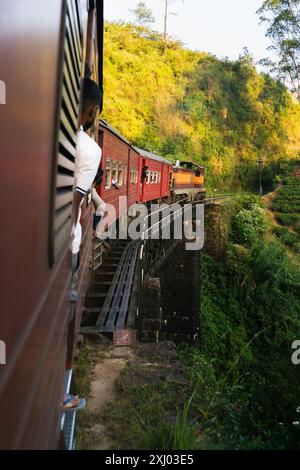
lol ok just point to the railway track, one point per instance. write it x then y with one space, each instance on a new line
108 304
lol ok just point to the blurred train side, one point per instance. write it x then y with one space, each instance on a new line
36 186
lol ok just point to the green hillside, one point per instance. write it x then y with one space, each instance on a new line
185 104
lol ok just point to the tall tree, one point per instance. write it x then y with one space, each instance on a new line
143 14
282 18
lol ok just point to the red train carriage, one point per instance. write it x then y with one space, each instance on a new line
42 58
158 179
120 165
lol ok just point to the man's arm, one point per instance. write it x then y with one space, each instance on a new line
76 205
88 164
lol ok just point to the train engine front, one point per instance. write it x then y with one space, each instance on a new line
188 180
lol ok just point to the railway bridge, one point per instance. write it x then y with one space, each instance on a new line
149 287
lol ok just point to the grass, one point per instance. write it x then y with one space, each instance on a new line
184 437
144 417
151 413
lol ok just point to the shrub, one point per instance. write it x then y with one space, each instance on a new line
277 179
244 382
248 224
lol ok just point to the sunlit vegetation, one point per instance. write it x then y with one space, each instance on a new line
190 105
246 389
286 206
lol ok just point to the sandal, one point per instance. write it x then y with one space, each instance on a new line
73 403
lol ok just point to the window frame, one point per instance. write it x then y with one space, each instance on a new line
114 170
120 169
148 177
108 180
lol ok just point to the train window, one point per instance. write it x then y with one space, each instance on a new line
159 177
68 102
107 174
125 174
152 177
114 175
120 174
156 177
134 175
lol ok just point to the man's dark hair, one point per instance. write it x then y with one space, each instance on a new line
92 94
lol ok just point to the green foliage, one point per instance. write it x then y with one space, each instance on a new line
148 416
247 390
246 387
184 434
288 198
282 19
277 179
143 14
190 105
247 201
287 205
287 219
288 238
248 223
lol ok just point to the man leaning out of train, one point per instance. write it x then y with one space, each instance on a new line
88 158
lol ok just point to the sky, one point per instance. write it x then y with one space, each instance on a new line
221 27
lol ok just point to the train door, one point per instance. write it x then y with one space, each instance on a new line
171 181
144 173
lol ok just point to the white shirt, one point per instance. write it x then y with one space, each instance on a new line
88 158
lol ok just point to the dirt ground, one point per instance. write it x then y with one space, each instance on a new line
145 364
106 374
267 201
